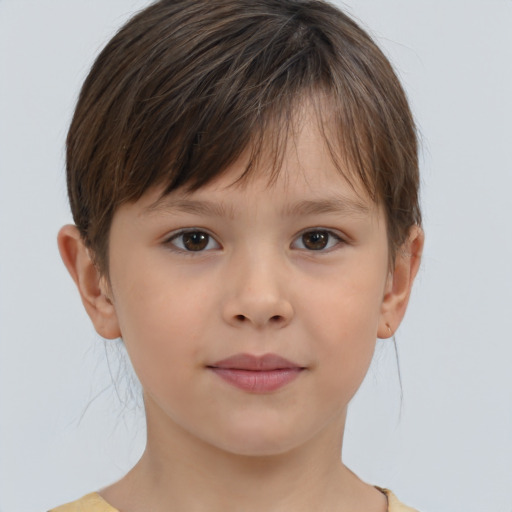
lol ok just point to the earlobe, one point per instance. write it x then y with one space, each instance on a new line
93 287
400 281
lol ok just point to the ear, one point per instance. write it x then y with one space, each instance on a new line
93 287
399 283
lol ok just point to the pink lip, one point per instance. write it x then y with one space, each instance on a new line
257 374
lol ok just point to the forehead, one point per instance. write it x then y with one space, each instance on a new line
306 178
283 141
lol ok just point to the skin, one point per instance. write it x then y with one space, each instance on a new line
256 287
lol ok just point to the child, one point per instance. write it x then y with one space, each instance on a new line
244 181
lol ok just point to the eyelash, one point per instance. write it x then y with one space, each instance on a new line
334 240
332 236
175 236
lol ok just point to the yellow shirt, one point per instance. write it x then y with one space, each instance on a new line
95 503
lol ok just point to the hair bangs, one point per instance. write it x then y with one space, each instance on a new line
188 87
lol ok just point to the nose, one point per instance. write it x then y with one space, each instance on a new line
257 294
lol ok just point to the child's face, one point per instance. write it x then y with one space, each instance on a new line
298 269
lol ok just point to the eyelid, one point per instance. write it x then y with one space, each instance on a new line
176 234
339 237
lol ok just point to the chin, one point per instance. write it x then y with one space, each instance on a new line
259 440
257 448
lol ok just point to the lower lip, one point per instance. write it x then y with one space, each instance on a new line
257 381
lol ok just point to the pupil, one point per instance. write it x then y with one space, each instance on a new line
316 240
195 241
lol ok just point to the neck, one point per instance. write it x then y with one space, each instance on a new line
179 472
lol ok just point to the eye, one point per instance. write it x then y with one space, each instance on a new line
193 241
317 240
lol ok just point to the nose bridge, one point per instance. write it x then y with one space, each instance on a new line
258 291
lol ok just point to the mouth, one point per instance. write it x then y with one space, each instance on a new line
257 374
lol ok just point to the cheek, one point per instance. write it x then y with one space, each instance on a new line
347 305
161 319
343 314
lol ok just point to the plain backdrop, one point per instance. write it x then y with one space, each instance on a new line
66 429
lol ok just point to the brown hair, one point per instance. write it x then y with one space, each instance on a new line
187 85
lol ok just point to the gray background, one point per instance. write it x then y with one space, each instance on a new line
64 430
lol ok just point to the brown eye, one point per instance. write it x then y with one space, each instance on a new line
193 241
315 240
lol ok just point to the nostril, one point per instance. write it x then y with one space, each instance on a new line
240 318
276 318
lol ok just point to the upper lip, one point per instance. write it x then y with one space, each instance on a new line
251 362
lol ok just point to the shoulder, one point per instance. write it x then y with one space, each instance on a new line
95 503
89 503
393 504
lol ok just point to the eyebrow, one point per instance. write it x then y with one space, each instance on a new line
334 205
338 205
204 207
